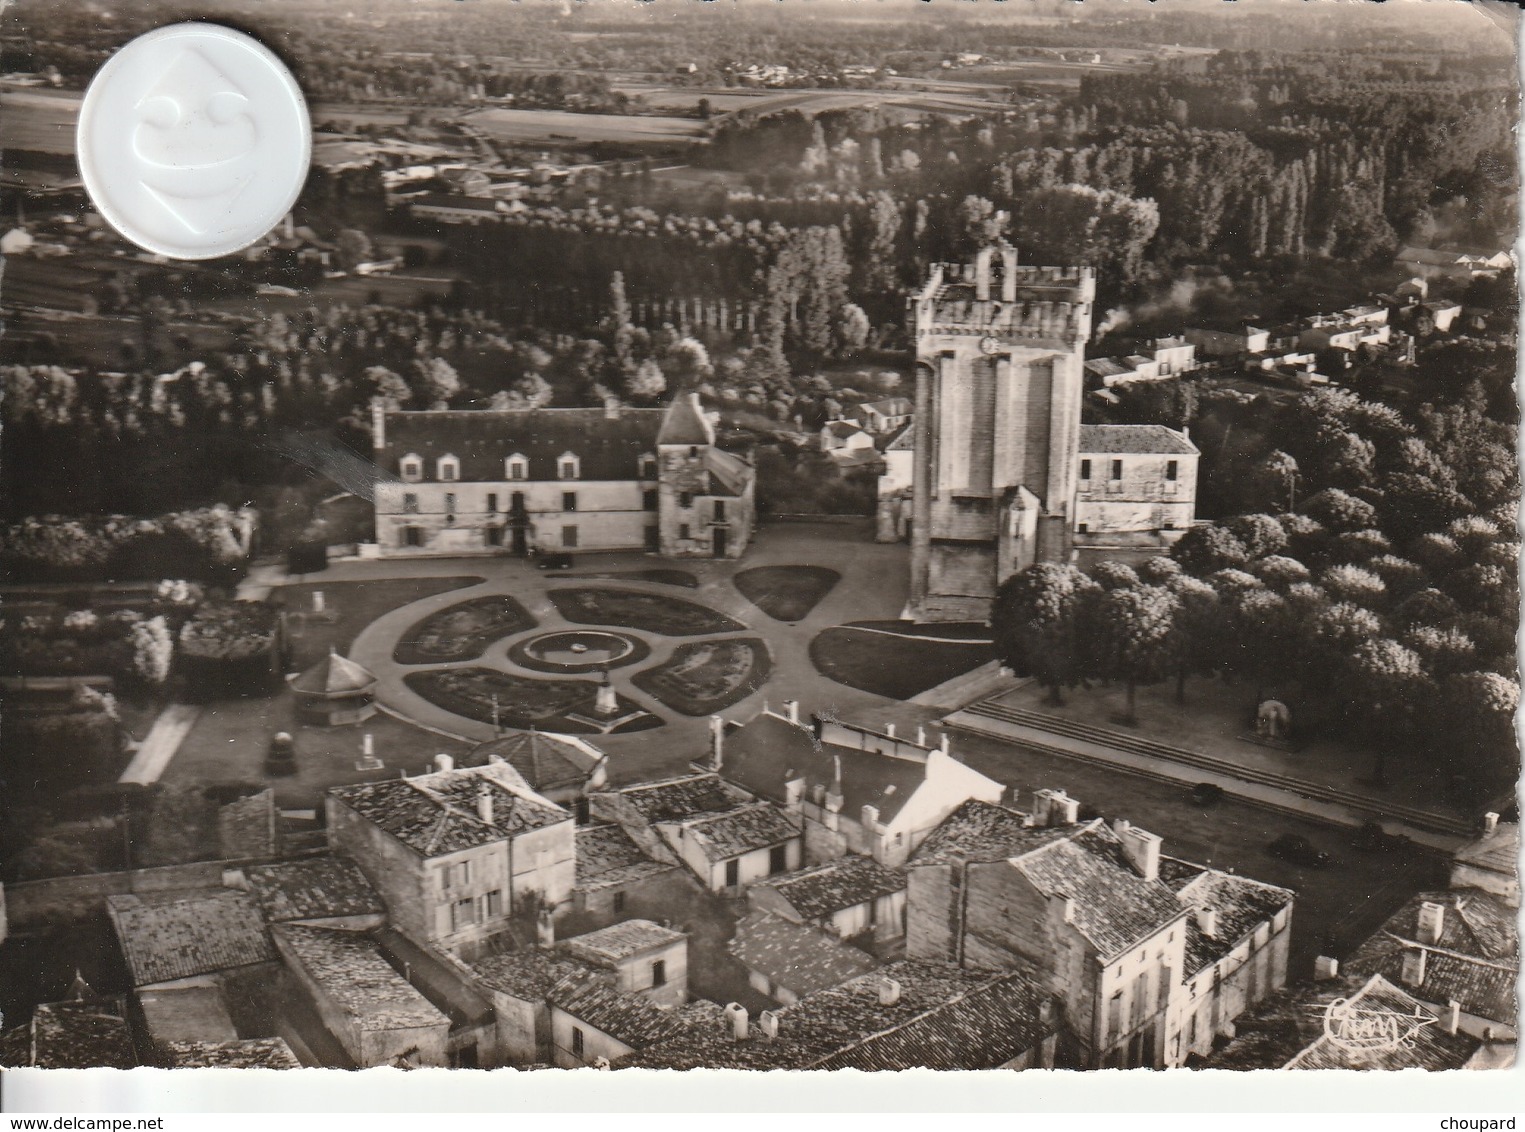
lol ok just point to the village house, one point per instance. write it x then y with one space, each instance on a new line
475 481
1135 945
885 416
893 513
519 983
1229 343
845 438
849 897
720 833
1491 862
247 1053
1346 330
645 958
85 1030
851 788
375 1013
905 1016
455 853
562 768
614 875
329 892
594 1024
457 208
1302 1028
788 961
1162 358
1458 950
1136 490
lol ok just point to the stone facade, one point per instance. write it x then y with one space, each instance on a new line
1137 488
999 380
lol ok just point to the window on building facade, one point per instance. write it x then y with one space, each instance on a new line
1081 528
495 902
569 537
649 500
778 859
577 1046
732 873
449 468
1117 469
683 530
450 503
412 536
410 502
411 469
659 973
1172 468
493 536
720 510
1085 469
492 502
619 901
569 501
463 913
567 467
685 499
518 468
648 467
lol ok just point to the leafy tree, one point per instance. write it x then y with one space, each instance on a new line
1477 721
980 223
1354 584
438 380
1201 550
647 383
1426 607
1159 570
153 651
1340 511
1036 620
1114 575
1198 628
1279 571
1132 638
1259 534
1388 683
1443 651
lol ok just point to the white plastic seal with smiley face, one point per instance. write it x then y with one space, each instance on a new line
194 141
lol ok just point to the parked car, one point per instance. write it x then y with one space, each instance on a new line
1206 794
554 561
1300 851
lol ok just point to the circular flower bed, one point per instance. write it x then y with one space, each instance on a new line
574 651
549 705
651 613
462 631
707 676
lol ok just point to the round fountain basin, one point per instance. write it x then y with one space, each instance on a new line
580 650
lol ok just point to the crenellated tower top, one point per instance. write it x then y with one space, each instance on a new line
993 295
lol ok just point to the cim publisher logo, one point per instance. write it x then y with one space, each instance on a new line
1360 1029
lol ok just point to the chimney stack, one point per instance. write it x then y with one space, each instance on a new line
1414 963
1047 1012
1326 968
1069 910
767 1022
1490 823
717 742
1207 922
1432 922
736 1018
1054 807
921 735
545 930
1142 849
889 992
1453 1016
484 803
943 745
792 710
889 729
443 762
611 408
378 424
870 817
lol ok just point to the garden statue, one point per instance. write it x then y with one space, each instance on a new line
1273 720
607 703
281 759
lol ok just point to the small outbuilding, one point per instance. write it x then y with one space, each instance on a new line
334 691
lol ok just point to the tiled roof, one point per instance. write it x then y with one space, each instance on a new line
334 675
1474 923
684 422
607 447
1288 1031
983 831
621 941
628 1018
760 756
350 970
946 1018
1106 367
802 958
674 799
175 938
311 889
729 474
829 888
1242 905
253 1053
606 856
903 439
1486 990
547 761
891 406
435 814
759 825
1138 439
843 429
528 973
1114 907
90 1034
1499 852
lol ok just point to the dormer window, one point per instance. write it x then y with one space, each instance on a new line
517 467
568 466
447 469
412 468
648 467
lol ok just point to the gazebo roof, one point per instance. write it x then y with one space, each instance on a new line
334 676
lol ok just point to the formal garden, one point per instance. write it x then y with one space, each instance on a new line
651 613
462 632
786 593
708 676
899 659
488 695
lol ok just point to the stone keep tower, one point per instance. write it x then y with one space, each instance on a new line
999 351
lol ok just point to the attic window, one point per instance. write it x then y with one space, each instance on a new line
517 467
648 467
412 468
568 466
448 468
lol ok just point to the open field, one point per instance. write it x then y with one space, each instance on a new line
946 98
40 122
548 127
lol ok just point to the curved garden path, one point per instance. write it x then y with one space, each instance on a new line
873 587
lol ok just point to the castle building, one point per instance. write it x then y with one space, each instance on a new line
1003 473
999 378
474 481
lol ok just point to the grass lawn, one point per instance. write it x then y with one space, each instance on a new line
354 605
786 593
976 631
652 613
659 576
462 631
547 705
708 676
231 738
890 665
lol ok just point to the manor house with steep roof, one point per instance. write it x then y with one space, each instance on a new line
477 481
